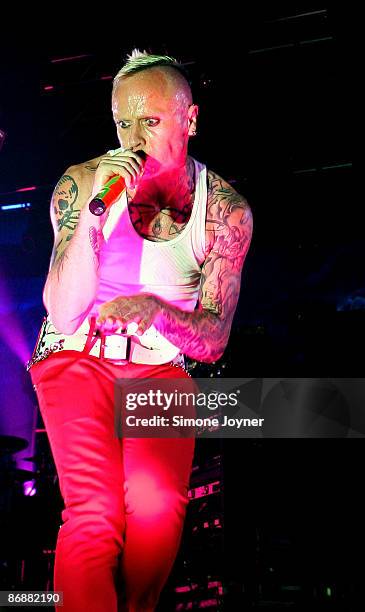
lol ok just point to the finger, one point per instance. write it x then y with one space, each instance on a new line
105 311
129 320
123 162
112 166
132 328
128 169
118 309
125 155
139 156
110 324
102 319
142 327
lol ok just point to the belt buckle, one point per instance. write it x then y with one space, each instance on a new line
115 348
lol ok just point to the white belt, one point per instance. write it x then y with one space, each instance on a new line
119 348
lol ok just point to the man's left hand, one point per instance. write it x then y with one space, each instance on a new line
120 312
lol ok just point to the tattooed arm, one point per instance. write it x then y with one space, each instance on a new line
72 280
203 334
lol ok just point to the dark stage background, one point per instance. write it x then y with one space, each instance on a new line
273 84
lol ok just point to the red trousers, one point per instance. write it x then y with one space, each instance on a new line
125 499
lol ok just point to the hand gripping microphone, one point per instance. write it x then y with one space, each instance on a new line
107 196
109 193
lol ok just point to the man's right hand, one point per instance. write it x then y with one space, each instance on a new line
126 163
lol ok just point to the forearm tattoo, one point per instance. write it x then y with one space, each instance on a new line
96 240
198 334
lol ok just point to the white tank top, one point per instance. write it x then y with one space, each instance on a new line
130 264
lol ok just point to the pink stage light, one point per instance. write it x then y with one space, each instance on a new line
32 188
29 488
10 330
70 58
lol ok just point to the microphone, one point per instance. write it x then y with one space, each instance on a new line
107 196
109 193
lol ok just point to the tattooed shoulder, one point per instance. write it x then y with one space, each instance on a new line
229 220
222 193
70 195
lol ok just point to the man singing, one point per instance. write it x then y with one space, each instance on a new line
128 294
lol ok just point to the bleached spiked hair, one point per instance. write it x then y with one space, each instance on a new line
141 60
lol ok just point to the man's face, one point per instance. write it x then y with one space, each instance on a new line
152 115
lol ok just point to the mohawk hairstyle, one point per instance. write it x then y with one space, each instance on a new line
142 60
